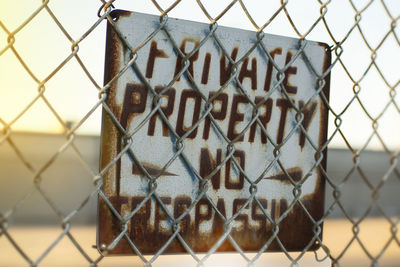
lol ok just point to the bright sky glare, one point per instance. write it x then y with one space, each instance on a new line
43 47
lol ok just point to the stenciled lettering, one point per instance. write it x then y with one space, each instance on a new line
200 220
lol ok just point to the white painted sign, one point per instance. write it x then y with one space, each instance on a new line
213 105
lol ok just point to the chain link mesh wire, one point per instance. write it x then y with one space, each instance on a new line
356 82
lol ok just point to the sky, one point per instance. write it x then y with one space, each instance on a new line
43 47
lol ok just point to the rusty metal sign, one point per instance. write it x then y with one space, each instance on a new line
200 163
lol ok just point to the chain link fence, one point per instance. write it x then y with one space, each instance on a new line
363 112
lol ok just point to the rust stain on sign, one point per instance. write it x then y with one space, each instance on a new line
207 152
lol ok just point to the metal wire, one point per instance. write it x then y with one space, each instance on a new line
337 47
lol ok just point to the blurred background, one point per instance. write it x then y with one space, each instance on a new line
51 71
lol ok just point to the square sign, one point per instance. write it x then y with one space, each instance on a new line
222 148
